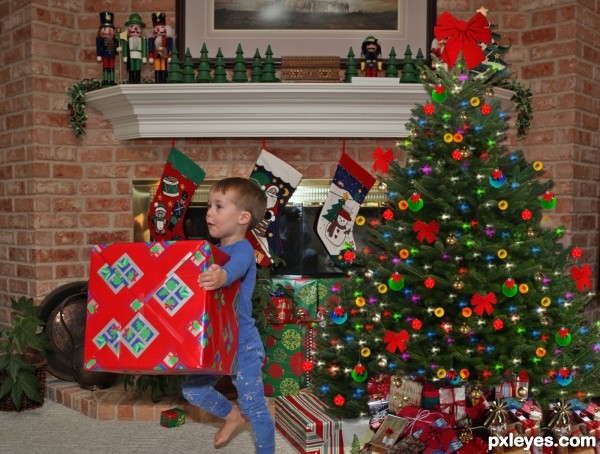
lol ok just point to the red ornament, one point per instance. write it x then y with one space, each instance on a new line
563 332
429 109
307 366
388 215
349 256
576 253
359 369
439 89
417 324
526 214
498 324
429 282
486 109
339 400
456 155
509 283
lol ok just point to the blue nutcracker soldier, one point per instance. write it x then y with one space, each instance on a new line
107 47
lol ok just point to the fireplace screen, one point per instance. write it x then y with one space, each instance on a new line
303 252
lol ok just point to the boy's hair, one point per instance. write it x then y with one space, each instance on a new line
248 197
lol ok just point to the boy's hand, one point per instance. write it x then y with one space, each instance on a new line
213 278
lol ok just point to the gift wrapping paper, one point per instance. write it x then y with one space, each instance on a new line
302 419
147 314
285 353
431 428
453 402
172 418
305 297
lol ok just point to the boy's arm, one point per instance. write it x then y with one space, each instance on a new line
241 258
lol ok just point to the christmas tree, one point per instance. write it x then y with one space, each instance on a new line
462 282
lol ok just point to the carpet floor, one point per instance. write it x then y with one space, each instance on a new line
56 429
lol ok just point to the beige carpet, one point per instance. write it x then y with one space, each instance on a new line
54 428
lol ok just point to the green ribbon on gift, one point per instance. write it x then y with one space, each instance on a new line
497 413
561 414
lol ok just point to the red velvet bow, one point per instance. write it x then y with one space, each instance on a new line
463 36
582 277
382 159
426 231
396 340
483 303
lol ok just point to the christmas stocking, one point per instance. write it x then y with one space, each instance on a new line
350 185
181 176
279 180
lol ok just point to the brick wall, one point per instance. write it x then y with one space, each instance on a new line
59 195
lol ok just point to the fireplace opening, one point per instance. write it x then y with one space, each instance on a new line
302 250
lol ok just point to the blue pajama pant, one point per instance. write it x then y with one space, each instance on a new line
247 379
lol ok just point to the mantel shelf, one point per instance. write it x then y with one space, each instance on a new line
367 109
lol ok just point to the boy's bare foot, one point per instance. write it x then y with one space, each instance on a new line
232 421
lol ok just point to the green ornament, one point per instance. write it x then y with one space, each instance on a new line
439 94
509 288
359 377
563 337
396 282
548 203
415 206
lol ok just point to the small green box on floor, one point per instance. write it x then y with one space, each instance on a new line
172 418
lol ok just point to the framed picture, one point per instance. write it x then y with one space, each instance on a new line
304 27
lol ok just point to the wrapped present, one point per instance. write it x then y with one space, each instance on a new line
387 434
281 309
303 420
172 418
408 445
285 353
453 402
378 387
472 444
305 296
431 428
586 442
516 385
404 391
592 410
592 426
430 396
147 314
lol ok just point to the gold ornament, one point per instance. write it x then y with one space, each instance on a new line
451 240
539 276
531 232
465 153
376 318
489 91
476 394
463 116
458 285
546 321
523 392
464 329
369 274
466 436
382 362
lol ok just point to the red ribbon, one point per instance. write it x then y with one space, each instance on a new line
463 37
582 277
382 159
483 303
396 340
426 231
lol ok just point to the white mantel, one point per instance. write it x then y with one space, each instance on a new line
377 108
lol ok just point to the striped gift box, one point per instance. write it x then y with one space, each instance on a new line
303 421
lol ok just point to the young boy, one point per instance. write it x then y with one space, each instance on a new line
236 205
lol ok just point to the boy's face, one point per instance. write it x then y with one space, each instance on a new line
225 221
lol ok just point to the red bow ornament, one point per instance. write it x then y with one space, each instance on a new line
382 159
582 277
396 340
465 37
483 303
426 231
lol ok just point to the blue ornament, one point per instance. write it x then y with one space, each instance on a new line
497 178
340 317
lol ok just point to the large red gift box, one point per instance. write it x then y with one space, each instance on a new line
303 421
147 314
431 428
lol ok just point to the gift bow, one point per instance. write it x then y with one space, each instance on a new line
463 37
396 340
562 414
582 277
426 231
382 159
497 413
483 303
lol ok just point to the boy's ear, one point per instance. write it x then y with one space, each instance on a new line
245 218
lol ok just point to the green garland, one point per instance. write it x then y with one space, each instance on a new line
77 112
522 98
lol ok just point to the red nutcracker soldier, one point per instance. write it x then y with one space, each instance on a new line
160 47
371 54
107 47
135 47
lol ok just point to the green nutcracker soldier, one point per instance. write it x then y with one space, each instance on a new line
135 47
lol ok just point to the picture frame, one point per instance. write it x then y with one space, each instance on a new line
195 21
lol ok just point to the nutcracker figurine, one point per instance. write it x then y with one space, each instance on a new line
135 47
107 47
160 47
371 62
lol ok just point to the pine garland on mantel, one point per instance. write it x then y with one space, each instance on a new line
77 112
